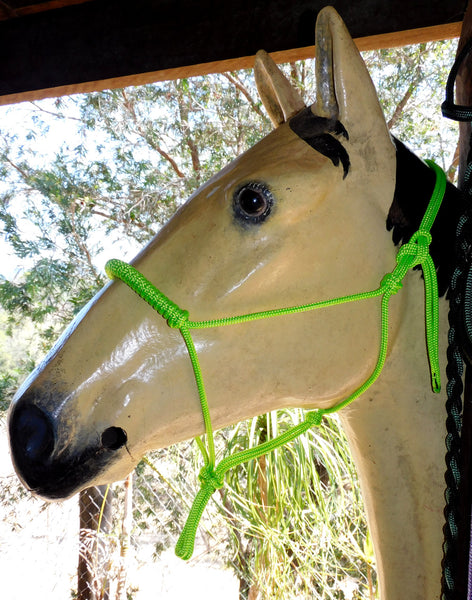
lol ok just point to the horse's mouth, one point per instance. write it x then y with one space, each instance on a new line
44 469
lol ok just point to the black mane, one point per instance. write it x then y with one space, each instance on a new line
414 186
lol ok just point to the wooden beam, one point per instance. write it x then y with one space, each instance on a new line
10 9
390 40
115 43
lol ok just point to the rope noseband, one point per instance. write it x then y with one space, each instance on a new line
413 253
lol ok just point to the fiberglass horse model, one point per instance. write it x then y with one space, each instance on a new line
301 217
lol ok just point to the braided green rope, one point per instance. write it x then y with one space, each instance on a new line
413 253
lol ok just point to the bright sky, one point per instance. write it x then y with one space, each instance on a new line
18 120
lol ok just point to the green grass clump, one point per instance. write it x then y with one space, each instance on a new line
297 515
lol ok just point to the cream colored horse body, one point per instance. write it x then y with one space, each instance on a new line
121 366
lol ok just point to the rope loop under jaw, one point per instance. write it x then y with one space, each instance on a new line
415 252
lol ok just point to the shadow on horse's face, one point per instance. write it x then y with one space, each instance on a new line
284 224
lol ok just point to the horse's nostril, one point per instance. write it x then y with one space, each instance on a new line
114 438
33 433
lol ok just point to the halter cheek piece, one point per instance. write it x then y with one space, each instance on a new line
413 253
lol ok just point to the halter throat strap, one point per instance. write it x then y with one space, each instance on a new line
413 253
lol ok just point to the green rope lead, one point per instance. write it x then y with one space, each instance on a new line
413 253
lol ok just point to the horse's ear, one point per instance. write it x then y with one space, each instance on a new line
280 99
345 91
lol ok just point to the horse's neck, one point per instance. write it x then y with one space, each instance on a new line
396 432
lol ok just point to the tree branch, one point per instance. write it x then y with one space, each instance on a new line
194 154
110 217
165 155
452 170
26 176
400 106
403 102
184 109
54 114
83 247
234 79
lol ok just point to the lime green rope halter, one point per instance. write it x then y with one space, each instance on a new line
411 254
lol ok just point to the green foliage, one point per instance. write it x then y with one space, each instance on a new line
8 385
411 84
296 515
18 350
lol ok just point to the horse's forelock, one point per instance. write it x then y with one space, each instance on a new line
318 133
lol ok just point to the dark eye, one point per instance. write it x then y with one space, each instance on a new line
253 202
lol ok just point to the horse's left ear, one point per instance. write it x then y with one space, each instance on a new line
279 97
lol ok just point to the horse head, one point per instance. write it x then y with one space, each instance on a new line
298 218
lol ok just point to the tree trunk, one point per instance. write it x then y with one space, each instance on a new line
95 510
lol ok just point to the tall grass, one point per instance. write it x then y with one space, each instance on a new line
296 516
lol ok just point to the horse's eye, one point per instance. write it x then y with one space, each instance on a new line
252 203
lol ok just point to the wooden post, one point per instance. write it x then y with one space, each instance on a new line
126 527
92 503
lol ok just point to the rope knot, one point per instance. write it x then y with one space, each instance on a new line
417 247
315 417
209 477
392 283
175 316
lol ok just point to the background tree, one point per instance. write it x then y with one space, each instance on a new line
89 177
